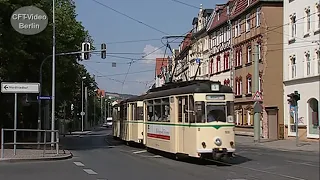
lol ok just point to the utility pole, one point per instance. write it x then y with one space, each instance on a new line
105 109
257 115
53 73
101 104
86 107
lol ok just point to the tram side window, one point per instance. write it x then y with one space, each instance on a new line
125 112
138 113
191 109
150 110
179 109
157 110
165 110
186 110
132 109
200 112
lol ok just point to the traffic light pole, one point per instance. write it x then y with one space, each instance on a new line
297 124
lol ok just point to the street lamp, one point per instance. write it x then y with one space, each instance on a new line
94 107
53 72
82 113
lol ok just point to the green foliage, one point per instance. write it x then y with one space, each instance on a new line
21 56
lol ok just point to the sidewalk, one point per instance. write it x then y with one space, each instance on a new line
34 155
282 145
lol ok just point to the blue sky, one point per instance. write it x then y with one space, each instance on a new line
107 26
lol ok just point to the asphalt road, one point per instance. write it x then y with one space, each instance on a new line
97 156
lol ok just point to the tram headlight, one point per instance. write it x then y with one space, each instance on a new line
218 142
230 119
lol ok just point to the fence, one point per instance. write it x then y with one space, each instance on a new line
45 143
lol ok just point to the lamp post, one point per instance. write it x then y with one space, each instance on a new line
82 113
53 72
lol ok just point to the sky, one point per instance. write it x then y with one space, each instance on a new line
141 22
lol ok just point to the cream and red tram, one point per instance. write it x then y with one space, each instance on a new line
131 119
192 119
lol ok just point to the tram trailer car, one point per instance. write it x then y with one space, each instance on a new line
194 119
132 120
116 121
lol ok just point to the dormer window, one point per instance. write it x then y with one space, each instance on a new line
218 15
248 3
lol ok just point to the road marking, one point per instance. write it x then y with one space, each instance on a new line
138 152
90 171
155 156
78 164
306 164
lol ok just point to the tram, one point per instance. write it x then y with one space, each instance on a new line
131 120
187 119
116 121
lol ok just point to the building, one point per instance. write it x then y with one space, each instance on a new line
161 71
219 50
181 59
301 65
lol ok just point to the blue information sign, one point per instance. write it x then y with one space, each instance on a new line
44 97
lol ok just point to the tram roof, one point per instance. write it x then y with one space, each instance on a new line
134 98
187 87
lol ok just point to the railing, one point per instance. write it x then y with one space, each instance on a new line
45 143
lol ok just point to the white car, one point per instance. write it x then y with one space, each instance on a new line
109 122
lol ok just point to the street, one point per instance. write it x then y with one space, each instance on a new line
98 156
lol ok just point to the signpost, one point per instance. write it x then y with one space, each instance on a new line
15 88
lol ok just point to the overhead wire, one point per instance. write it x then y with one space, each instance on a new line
136 20
186 4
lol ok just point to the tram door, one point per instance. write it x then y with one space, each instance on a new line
183 120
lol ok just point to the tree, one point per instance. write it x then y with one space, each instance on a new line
21 56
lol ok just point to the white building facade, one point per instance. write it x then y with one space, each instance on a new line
301 51
219 34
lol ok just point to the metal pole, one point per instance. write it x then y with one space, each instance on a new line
86 109
15 123
94 109
101 108
82 105
2 143
105 110
256 122
297 123
53 72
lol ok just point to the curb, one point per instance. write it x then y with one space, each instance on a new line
69 156
277 149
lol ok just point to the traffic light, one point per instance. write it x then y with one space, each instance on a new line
85 51
103 50
293 98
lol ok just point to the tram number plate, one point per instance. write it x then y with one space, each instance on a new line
227 132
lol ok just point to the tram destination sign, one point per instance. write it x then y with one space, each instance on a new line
19 87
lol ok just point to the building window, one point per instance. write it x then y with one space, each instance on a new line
308 20
259 51
238 57
317 17
248 23
218 64
258 13
293 26
238 86
308 63
249 84
318 59
226 61
236 29
249 53
293 67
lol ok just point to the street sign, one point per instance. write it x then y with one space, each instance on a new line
257 96
44 97
82 113
17 87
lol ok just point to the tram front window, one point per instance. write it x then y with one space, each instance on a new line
216 113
